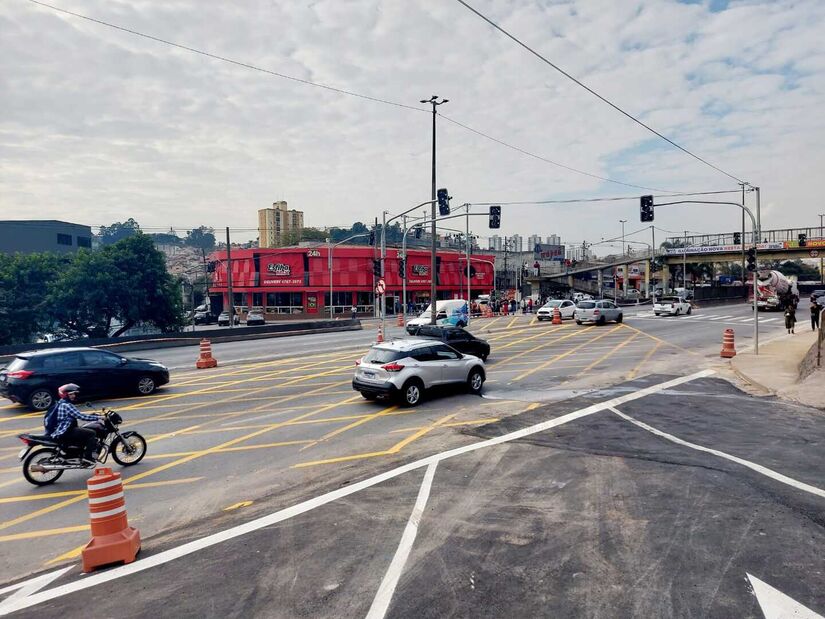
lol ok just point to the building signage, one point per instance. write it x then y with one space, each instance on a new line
820 243
313 253
721 249
279 269
420 270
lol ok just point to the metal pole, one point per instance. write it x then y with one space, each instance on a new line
193 305
329 267
744 276
653 252
821 258
383 259
229 280
404 279
467 247
684 264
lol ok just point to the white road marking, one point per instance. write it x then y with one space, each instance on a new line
27 587
296 510
722 318
747 463
383 597
777 605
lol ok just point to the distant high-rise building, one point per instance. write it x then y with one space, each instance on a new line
495 242
276 224
554 239
517 243
532 241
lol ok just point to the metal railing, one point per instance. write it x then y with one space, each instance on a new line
767 236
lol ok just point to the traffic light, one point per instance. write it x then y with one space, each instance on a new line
443 202
418 232
646 205
376 268
495 217
803 240
737 238
751 258
402 268
372 237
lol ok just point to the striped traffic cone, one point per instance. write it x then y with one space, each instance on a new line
206 360
728 349
556 316
113 540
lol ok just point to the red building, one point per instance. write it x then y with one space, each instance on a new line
296 280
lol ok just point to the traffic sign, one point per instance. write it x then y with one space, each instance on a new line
814 253
380 286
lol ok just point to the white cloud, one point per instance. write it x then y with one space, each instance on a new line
97 125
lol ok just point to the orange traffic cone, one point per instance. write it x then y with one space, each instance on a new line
400 322
206 359
113 540
728 349
380 334
556 316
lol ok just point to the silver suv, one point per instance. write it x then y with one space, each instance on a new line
598 312
404 369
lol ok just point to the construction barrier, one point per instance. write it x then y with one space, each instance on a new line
556 316
380 334
113 540
728 349
206 360
400 322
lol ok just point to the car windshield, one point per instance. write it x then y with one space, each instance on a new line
586 305
383 355
552 304
670 300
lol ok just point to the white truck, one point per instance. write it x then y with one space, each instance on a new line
775 290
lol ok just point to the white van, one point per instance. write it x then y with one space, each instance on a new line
448 313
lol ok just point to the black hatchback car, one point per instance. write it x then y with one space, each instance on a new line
463 341
32 378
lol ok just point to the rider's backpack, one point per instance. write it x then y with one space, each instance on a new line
50 420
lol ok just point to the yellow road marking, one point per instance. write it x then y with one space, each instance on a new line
635 370
609 353
564 354
391 451
660 340
229 449
237 506
510 324
354 424
62 493
43 533
488 325
72 554
163 467
455 424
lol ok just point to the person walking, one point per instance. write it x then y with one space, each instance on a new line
790 318
815 309
354 311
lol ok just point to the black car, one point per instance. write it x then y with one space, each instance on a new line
463 341
32 378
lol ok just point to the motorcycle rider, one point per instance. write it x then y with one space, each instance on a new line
67 432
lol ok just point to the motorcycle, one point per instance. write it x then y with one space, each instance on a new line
45 459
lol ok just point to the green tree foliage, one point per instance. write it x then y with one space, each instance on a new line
803 272
117 231
24 311
202 238
125 283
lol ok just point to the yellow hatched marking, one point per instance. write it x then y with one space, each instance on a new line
83 493
564 354
638 366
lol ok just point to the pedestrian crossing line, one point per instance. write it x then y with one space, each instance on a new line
722 317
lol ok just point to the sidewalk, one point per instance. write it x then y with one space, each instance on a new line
777 368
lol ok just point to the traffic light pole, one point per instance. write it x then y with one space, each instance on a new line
755 228
330 247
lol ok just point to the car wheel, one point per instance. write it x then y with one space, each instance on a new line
41 399
411 392
368 396
677 311
658 313
689 311
146 385
602 321
475 381
620 318
579 322
460 324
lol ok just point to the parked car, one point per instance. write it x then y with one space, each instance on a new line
672 306
32 378
567 309
463 341
598 312
202 318
406 369
255 317
223 319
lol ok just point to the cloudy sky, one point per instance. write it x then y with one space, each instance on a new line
97 125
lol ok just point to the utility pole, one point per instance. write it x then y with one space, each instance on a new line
744 276
229 280
821 258
435 103
684 264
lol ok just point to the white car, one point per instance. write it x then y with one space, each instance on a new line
567 309
672 306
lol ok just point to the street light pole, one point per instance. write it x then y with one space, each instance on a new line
821 258
684 263
229 280
435 103
330 247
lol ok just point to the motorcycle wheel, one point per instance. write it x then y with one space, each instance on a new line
36 457
131 452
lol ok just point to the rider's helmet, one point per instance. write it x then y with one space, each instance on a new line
64 390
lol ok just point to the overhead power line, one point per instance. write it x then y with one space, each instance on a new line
334 89
596 94
606 199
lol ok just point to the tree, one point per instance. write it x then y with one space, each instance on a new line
24 281
124 283
117 231
202 238
802 271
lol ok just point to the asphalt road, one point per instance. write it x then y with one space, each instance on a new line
249 438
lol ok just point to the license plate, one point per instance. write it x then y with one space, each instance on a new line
369 374
22 453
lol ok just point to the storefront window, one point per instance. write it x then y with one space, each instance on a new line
257 299
341 302
284 302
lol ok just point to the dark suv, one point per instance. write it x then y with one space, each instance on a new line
32 378
463 341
